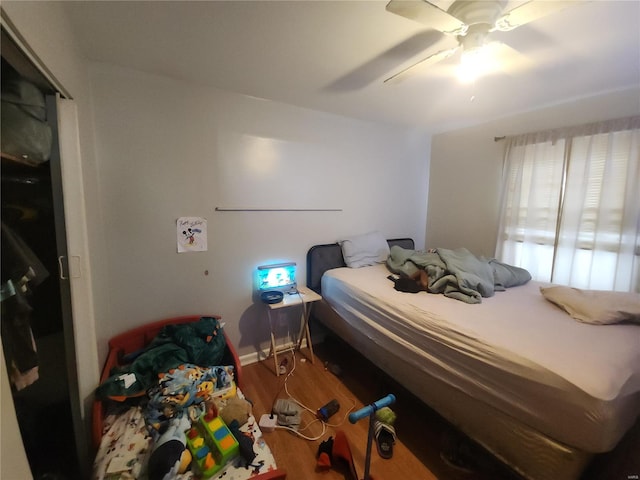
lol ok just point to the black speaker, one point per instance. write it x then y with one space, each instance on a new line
272 296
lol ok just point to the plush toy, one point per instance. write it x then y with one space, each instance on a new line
170 456
245 442
237 409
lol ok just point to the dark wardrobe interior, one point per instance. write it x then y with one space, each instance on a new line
33 329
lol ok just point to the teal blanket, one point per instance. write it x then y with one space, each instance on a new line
457 273
201 343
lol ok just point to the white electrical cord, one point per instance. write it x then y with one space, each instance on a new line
324 424
286 389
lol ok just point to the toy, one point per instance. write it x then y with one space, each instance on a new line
245 442
170 455
211 444
325 454
370 411
386 415
237 409
339 448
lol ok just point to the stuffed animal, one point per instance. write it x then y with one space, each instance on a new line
236 408
170 456
245 443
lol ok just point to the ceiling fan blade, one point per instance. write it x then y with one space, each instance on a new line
387 61
430 60
530 11
427 13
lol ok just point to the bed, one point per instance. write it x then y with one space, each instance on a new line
109 414
539 390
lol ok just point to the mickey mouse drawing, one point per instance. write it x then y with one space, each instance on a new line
190 234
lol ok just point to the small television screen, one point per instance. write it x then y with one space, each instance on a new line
281 276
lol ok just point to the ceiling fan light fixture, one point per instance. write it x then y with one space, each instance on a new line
473 64
474 54
471 21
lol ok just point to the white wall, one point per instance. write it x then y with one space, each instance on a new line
466 168
166 149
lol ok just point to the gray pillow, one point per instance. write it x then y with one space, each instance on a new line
365 249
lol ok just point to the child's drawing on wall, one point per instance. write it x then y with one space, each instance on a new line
192 234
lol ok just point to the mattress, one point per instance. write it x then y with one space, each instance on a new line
578 384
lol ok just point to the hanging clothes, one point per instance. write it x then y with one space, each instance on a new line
21 272
26 135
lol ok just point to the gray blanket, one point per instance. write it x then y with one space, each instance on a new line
457 273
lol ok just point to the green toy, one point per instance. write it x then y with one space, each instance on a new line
211 444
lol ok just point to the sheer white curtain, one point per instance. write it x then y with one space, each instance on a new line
570 209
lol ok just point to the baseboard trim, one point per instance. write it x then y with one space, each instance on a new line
261 355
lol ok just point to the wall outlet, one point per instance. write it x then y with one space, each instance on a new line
268 422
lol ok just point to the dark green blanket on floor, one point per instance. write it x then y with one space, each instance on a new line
200 343
457 273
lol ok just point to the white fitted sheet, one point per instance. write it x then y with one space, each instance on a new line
577 383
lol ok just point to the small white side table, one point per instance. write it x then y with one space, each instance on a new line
305 298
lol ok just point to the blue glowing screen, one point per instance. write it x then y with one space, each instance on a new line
281 276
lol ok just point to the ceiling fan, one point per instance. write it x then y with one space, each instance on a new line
471 22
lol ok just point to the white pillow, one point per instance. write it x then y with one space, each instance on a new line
595 306
363 250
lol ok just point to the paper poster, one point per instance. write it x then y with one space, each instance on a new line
192 234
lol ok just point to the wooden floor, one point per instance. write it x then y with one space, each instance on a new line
421 432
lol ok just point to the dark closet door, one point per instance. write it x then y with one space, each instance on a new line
47 409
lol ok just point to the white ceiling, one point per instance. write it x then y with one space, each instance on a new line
333 55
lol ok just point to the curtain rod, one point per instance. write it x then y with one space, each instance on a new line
224 209
604 126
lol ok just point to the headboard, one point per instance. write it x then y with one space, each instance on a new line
321 258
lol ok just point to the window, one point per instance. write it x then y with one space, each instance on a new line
571 205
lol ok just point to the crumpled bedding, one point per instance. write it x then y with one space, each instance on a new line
178 395
167 385
183 387
199 343
125 447
127 444
457 274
